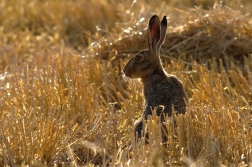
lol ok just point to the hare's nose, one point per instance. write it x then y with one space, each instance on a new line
123 70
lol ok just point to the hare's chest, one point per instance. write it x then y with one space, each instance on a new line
150 89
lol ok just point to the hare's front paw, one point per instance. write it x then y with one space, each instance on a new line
139 128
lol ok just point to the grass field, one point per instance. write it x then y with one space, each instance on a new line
64 100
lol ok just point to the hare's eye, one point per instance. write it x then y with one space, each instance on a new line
138 58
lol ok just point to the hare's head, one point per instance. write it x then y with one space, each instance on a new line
146 62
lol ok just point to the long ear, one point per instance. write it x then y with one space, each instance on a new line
163 32
153 33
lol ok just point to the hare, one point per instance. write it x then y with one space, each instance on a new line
159 88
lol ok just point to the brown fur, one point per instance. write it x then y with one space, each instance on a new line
160 89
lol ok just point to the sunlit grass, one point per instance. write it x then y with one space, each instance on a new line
64 100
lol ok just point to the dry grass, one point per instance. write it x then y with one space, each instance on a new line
63 103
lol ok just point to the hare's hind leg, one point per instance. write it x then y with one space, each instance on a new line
139 131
